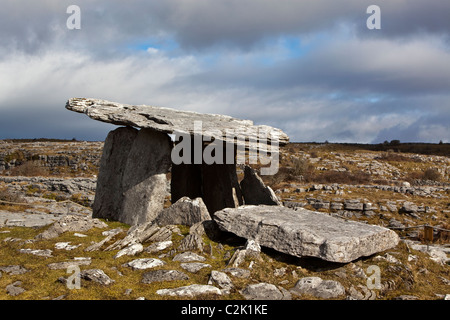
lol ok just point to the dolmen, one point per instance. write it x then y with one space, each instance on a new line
201 160
199 154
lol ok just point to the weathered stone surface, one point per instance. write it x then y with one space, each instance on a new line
188 257
190 291
221 127
254 191
14 289
144 179
96 275
131 250
22 219
110 235
136 234
66 264
194 266
14 269
326 289
191 242
221 280
303 232
208 227
264 291
66 246
71 223
37 252
144 263
158 246
252 250
109 191
185 211
237 272
163 275
353 205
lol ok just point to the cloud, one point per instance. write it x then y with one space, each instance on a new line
312 69
202 24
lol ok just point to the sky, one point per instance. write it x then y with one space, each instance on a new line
311 68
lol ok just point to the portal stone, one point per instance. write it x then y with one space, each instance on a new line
109 192
144 179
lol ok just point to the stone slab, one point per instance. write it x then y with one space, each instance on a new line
169 120
303 232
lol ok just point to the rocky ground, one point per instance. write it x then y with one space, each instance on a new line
47 236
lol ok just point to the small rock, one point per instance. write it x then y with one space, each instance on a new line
112 232
264 291
237 272
37 252
144 263
14 289
14 269
409 207
191 242
79 235
188 256
194 267
387 257
253 249
221 280
71 223
65 246
158 246
96 275
128 292
406 297
318 287
131 250
163 275
190 291
185 211
66 264
109 235
279 272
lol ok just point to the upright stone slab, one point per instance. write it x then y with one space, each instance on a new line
109 192
306 233
254 191
144 179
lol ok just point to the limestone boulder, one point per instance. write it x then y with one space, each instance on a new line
191 291
303 232
163 275
265 291
316 286
185 211
71 223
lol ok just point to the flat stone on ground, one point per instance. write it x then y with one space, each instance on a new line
163 275
188 257
190 291
303 232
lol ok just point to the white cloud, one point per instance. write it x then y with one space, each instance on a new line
338 82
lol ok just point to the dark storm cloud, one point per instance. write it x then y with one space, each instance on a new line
341 82
29 25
